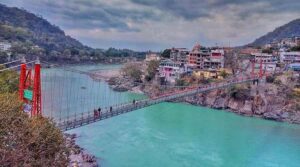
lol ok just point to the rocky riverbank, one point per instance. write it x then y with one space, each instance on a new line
273 101
78 156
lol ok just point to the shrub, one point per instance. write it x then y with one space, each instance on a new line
223 74
180 82
240 93
277 82
28 141
270 79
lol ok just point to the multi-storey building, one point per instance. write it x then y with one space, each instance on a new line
268 61
205 59
290 57
179 55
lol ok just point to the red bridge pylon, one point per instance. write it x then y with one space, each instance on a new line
30 88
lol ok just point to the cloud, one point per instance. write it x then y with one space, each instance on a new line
157 24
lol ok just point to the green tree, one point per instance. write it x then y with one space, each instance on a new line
268 50
133 71
8 81
223 74
166 53
152 69
295 48
180 82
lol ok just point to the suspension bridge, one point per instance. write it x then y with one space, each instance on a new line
37 88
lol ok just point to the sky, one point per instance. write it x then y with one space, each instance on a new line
158 24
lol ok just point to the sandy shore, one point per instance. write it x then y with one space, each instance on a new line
105 74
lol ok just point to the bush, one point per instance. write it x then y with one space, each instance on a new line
8 81
28 141
277 82
180 82
270 79
223 74
240 93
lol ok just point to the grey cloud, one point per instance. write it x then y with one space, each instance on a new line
194 9
93 14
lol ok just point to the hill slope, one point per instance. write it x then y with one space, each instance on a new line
32 36
290 29
34 29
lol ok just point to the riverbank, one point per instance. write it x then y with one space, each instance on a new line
105 74
78 156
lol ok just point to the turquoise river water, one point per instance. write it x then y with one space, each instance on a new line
182 135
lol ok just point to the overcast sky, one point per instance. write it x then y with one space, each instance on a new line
159 24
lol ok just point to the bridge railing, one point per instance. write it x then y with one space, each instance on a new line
77 120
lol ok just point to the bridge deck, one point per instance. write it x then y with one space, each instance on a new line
88 117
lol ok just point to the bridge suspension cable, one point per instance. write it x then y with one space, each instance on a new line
13 67
14 61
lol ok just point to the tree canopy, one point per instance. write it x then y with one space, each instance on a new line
24 140
152 68
166 53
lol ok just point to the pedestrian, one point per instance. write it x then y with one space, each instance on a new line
95 113
110 108
99 111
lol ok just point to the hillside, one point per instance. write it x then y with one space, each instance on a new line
290 29
32 36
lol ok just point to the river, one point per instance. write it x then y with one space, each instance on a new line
171 135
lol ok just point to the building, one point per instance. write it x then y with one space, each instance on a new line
179 55
204 59
217 59
297 40
268 61
295 66
170 70
289 57
5 46
152 56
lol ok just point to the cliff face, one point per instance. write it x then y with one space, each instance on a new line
269 101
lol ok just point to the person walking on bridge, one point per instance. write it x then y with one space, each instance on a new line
95 113
99 111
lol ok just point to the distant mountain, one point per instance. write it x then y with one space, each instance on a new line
290 29
33 36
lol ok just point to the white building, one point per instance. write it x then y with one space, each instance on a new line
268 61
290 57
171 70
5 46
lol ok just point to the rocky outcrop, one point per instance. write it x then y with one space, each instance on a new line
78 156
267 101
